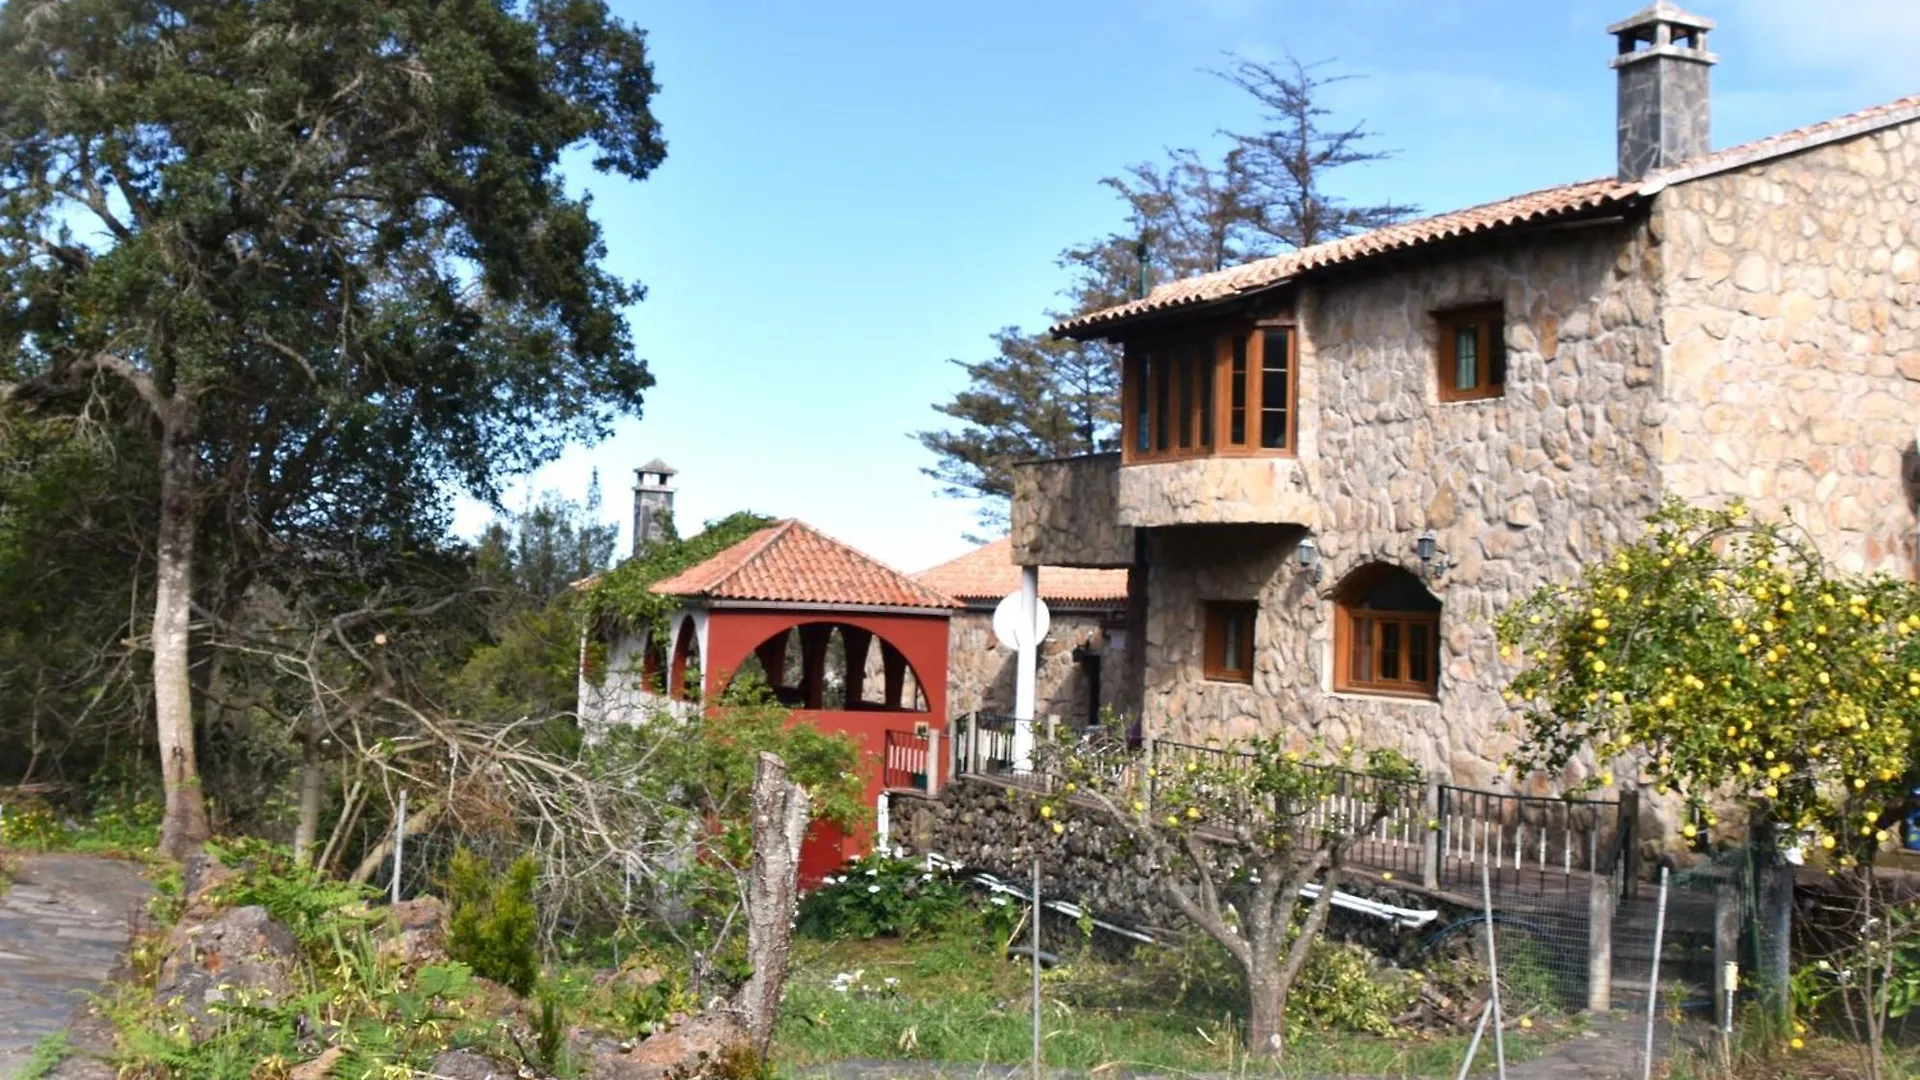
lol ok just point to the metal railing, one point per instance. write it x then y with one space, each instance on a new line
1531 844
905 763
1431 833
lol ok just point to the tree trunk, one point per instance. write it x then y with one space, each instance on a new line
312 782
780 811
1266 1006
184 827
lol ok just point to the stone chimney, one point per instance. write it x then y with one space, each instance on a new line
1664 107
652 504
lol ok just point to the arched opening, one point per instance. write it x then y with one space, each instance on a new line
835 667
686 664
1386 634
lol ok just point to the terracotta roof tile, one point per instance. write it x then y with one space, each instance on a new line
1543 205
789 562
988 572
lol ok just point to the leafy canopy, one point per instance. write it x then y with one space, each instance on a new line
1719 656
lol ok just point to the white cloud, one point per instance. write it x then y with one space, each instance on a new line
1866 46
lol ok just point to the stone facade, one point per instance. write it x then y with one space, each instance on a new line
1517 490
980 671
1216 489
1752 332
1791 327
1066 513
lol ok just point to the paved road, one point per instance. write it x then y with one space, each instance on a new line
63 924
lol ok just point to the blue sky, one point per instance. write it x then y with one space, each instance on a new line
856 192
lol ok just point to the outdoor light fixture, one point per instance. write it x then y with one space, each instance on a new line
1432 565
1307 556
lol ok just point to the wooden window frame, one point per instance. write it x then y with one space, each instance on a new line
1488 322
1206 410
1215 617
1347 629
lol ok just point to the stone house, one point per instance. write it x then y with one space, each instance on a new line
1340 463
1081 664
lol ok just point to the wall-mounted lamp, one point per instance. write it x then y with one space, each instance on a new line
1306 555
1433 566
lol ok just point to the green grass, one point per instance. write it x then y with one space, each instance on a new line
131 831
47 1055
952 999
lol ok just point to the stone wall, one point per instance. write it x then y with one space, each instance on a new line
1065 513
993 828
980 671
1792 332
1519 490
1216 490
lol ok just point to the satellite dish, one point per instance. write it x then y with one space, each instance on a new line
1006 622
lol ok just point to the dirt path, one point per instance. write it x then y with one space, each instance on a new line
63 924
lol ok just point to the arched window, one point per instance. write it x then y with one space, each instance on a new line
1386 637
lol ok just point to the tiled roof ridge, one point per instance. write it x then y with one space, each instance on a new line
938 598
770 536
1540 204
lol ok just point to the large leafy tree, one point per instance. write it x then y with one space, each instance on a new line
1187 213
321 256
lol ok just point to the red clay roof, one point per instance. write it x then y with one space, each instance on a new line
789 562
1543 205
988 572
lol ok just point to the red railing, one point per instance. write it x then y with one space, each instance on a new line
905 765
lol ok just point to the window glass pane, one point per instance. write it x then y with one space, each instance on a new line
1274 387
1389 650
1142 405
1361 669
1397 590
1185 396
1162 399
1204 357
1496 353
1417 652
1237 405
1231 642
1466 357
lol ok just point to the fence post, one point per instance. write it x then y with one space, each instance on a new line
1146 782
399 840
1600 899
933 761
1628 835
973 742
1430 840
1726 947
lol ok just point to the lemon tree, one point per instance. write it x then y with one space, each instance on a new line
1720 657
1235 837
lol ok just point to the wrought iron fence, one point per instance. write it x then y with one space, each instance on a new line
1435 834
1531 845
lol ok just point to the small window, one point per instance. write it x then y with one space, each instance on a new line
1473 354
1387 635
1229 640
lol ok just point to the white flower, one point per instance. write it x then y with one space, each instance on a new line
871 872
873 888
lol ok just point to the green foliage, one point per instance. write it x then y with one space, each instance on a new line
492 925
311 904
32 825
1720 656
1343 988
47 1055
549 1033
623 597
878 895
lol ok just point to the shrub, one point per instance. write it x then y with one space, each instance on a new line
1342 988
491 926
880 896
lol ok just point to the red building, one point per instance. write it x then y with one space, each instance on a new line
819 620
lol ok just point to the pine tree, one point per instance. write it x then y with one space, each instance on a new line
1041 397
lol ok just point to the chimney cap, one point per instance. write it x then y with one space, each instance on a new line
656 466
1660 11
